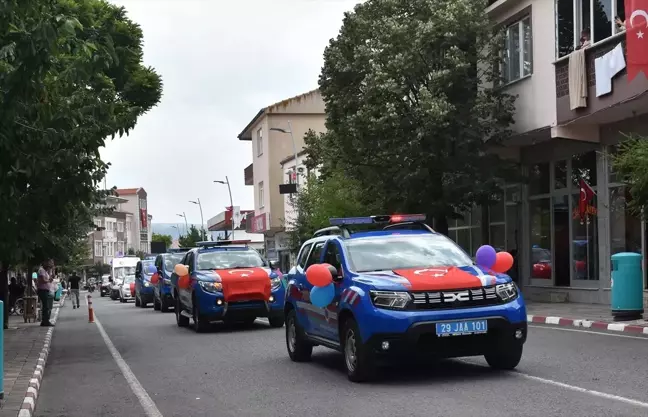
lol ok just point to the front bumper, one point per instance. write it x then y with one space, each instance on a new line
214 307
126 296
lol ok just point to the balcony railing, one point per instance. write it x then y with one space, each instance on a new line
622 93
249 174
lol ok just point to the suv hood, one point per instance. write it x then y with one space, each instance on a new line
433 278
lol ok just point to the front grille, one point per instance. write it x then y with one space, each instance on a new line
246 305
440 300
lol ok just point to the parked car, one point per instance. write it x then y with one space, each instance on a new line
125 293
163 290
106 285
144 291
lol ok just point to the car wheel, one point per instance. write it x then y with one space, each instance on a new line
299 349
180 319
156 304
200 324
276 321
357 356
137 301
164 305
121 300
505 356
142 302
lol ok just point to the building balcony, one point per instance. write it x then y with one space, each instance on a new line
249 174
627 99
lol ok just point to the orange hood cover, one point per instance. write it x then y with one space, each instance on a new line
249 284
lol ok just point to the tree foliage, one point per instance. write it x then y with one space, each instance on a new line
321 198
413 106
191 238
167 239
631 166
71 75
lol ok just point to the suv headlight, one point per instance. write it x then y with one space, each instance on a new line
507 292
398 300
275 283
211 286
147 283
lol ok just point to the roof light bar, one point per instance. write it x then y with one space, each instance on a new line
394 218
209 244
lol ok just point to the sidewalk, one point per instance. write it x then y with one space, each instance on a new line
596 316
26 346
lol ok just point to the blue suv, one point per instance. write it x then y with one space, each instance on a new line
401 290
143 286
163 290
226 281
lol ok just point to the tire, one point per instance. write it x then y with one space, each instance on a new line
121 300
200 324
276 322
358 358
164 305
299 348
137 301
181 320
156 304
142 302
505 356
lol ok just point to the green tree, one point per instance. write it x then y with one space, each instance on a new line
321 198
191 238
131 251
71 75
140 254
630 164
413 106
168 240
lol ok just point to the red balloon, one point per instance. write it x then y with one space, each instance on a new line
319 275
503 262
155 278
184 282
132 287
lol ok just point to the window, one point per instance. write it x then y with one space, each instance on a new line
259 142
261 196
594 20
144 247
97 222
303 255
120 226
332 255
128 226
219 260
110 249
120 247
315 255
518 52
97 248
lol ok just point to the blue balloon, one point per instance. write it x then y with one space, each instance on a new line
486 256
322 296
151 269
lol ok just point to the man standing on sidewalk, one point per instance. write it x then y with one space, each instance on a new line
73 282
43 284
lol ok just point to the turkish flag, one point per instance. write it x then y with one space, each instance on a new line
586 195
636 12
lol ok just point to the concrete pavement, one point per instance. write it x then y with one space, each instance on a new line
246 372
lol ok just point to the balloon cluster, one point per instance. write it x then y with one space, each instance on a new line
321 277
184 280
487 257
155 276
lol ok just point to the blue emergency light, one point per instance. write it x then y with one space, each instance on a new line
394 218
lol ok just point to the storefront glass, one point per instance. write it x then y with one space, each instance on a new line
585 241
561 220
625 227
540 237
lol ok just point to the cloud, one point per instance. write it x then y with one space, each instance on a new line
221 62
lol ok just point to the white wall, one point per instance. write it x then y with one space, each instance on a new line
290 214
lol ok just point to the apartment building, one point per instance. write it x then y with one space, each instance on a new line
136 204
112 235
276 132
567 62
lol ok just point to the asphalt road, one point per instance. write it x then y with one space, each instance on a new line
170 371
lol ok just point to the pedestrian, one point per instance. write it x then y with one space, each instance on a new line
44 281
73 282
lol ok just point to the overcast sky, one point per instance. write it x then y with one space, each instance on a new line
221 62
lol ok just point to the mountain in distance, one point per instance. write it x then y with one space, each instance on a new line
170 229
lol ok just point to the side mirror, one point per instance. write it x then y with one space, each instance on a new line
272 265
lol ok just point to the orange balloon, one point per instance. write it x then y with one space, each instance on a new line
184 282
503 262
132 288
319 275
155 278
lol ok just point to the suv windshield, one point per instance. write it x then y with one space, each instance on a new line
405 252
229 259
145 267
121 272
170 261
129 279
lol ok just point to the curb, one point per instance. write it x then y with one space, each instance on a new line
29 403
588 324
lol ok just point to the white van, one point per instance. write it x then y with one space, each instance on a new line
121 268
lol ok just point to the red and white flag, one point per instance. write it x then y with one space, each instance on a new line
636 12
586 196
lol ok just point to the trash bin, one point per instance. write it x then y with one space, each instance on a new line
627 286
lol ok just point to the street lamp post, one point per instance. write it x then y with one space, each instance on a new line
229 189
292 137
202 220
186 224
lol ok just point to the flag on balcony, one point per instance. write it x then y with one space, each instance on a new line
143 218
636 12
586 196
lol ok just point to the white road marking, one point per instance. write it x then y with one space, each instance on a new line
630 401
590 332
150 409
